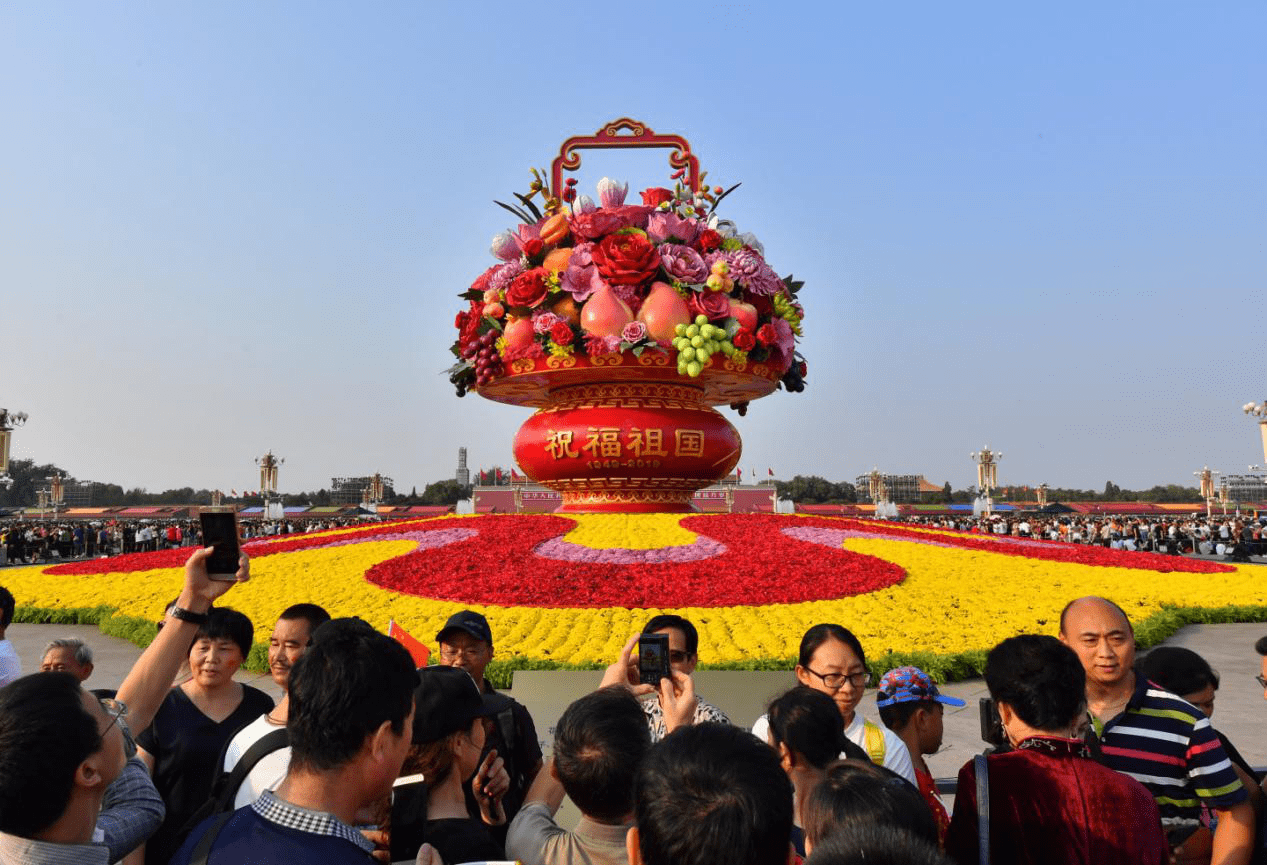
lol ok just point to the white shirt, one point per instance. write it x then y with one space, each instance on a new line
268 773
10 664
896 757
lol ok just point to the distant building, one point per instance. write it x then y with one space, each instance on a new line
903 489
78 494
463 475
350 491
1245 488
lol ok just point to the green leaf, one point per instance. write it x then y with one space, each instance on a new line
637 351
494 323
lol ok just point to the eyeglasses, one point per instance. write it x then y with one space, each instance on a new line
1262 680
117 712
836 681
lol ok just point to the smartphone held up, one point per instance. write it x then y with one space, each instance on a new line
220 531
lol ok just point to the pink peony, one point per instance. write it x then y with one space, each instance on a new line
634 332
504 246
663 227
579 277
543 321
682 263
784 345
525 234
595 224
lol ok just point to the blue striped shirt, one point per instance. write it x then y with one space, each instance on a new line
1168 745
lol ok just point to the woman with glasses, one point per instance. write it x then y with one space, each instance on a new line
832 661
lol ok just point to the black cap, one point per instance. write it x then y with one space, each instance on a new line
448 700
470 622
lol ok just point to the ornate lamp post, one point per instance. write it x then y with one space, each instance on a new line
8 421
268 479
1207 489
1259 410
56 493
1042 495
987 474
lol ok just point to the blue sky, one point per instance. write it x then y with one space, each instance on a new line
233 227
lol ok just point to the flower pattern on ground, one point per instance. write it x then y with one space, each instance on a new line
942 593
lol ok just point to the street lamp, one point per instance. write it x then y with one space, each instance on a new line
268 479
987 473
8 421
1259 410
1207 488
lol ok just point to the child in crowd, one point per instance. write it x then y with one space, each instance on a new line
911 706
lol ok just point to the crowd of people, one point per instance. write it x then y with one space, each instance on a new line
30 542
1233 536
1097 757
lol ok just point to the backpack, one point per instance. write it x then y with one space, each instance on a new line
225 788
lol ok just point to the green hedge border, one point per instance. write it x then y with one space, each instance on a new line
943 668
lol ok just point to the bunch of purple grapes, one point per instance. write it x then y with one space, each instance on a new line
484 357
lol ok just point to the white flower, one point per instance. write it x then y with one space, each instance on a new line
611 193
504 246
724 227
750 239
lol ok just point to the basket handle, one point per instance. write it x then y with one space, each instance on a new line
639 135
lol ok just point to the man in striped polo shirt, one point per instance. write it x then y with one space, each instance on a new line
1157 738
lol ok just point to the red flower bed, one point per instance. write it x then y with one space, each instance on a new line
760 566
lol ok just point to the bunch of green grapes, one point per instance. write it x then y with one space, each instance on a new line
786 310
696 343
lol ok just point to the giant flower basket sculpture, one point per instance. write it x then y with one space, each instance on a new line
624 324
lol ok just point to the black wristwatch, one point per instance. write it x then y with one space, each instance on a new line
188 616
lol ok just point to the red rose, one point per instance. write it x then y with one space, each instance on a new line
533 247
562 333
743 340
767 335
626 259
656 195
714 304
527 289
707 241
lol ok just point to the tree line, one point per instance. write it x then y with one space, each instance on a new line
812 490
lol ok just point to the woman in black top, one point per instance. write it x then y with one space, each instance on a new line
185 744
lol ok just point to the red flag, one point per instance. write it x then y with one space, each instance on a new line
514 476
771 472
417 650
738 474
501 478
233 493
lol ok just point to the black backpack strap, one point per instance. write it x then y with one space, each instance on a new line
202 850
226 786
983 808
506 724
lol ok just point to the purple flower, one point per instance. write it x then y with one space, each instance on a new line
663 226
543 321
611 193
781 350
635 331
504 274
682 263
748 268
579 277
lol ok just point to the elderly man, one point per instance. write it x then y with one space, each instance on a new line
1157 738
68 655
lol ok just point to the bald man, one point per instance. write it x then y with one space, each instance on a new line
1158 739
